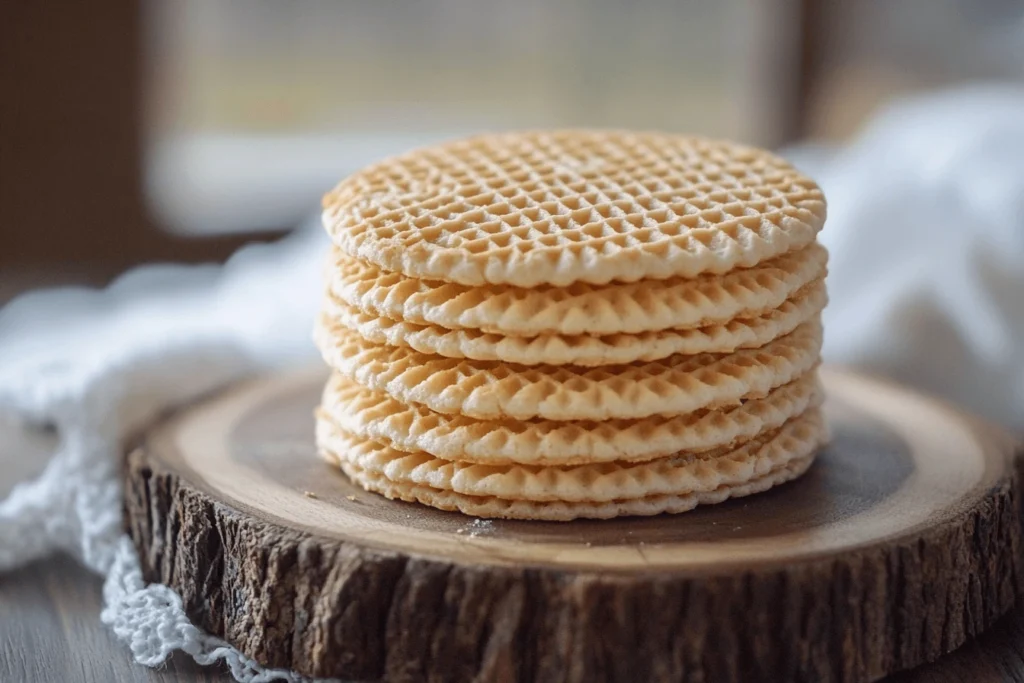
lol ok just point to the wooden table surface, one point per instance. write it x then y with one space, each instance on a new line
50 628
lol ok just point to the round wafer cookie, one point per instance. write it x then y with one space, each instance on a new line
371 414
581 308
679 474
488 389
529 209
582 350
560 511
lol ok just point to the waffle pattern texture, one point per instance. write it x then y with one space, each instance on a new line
553 325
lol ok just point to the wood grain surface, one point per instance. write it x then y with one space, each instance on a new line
50 628
901 543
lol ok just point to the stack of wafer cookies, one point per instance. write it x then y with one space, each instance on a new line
573 324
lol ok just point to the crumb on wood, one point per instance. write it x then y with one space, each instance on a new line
309 494
350 497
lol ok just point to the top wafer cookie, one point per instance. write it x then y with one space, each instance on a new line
555 208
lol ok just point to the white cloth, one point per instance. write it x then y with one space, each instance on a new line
97 365
926 238
926 229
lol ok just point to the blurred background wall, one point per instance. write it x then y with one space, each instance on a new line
176 130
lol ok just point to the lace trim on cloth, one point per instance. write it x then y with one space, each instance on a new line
150 618
75 506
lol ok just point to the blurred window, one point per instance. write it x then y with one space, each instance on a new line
257 107
874 50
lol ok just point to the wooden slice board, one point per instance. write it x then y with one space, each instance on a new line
900 543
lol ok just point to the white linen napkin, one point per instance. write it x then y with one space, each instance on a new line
925 231
99 365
